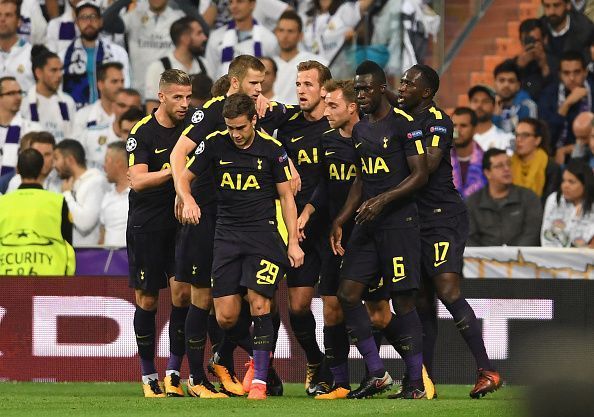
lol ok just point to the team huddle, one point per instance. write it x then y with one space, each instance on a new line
350 190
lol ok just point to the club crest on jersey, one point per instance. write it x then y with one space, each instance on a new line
197 116
131 144
200 148
102 139
415 134
439 129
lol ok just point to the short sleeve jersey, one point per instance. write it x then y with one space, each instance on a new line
439 198
245 179
340 168
208 120
151 144
383 148
303 141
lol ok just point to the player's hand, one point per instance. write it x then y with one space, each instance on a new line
67 184
301 223
190 212
262 105
295 254
178 208
335 239
370 209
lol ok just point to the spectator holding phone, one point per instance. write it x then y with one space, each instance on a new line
533 62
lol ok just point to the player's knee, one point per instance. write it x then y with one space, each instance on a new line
347 298
379 317
299 308
226 321
332 313
146 301
404 303
449 295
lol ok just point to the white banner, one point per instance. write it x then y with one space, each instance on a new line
528 262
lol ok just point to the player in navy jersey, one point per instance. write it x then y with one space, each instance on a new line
339 161
386 239
301 136
251 169
195 242
152 228
444 227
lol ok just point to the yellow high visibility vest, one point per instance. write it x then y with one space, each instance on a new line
31 241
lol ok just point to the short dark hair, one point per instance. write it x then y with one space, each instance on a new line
131 115
201 86
573 56
529 25
490 153
6 78
274 66
346 86
238 68
130 92
509 65
239 104
43 137
429 76
174 76
220 86
102 73
461 111
324 73
39 57
370 67
541 130
292 15
179 27
75 149
29 164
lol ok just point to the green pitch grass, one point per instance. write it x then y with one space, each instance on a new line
124 399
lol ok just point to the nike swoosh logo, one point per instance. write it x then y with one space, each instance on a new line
398 279
328 153
436 264
160 150
293 140
358 144
221 162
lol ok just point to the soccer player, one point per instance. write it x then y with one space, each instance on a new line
339 160
152 229
301 135
251 169
194 258
385 240
444 227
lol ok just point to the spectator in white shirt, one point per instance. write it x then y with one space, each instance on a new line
242 35
12 125
568 219
267 12
189 40
114 207
33 25
15 53
96 138
289 34
44 143
61 30
45 103
83 190
147 28
99 115
487 135
84 56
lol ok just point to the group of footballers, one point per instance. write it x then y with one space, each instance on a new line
350 190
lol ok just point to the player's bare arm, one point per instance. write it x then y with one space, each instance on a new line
303 219
418 177
434 155
186 209
140 179
182 148
350 206
289 210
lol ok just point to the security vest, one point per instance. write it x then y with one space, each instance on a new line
31 241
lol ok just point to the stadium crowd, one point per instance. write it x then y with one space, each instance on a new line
91 72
